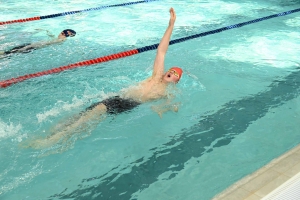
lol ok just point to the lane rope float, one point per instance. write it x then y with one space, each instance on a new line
8 82
71 12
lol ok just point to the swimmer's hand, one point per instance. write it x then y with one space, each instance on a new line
175 108
172 17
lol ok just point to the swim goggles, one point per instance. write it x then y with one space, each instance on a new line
174 72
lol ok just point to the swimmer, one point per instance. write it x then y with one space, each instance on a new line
153 88
26 48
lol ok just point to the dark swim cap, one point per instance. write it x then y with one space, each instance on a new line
67 34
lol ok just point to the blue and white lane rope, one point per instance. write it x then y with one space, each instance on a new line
154 46
71 12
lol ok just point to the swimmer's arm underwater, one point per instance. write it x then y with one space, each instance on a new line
48 32
166 106
161 109
39 45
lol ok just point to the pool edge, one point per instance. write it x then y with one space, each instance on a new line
265 180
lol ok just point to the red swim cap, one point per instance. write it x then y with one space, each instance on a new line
178 70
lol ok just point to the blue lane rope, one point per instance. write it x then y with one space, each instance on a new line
154 46
72 12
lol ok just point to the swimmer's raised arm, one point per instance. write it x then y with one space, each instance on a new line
158 68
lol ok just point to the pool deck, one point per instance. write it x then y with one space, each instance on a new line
267 180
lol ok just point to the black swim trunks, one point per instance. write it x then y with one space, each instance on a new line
15 49
116 105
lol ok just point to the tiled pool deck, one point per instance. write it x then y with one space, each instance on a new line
265 180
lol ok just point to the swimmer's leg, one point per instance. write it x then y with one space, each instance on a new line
24 48
87 120
4 54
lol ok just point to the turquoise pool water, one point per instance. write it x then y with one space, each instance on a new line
239 99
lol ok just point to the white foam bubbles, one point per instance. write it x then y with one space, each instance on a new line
58 108
295 22
61 106
9 129
26 177
264 50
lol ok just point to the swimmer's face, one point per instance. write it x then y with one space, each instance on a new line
62 35
171 76
65 34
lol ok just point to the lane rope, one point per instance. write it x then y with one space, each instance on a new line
71 12
8 82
